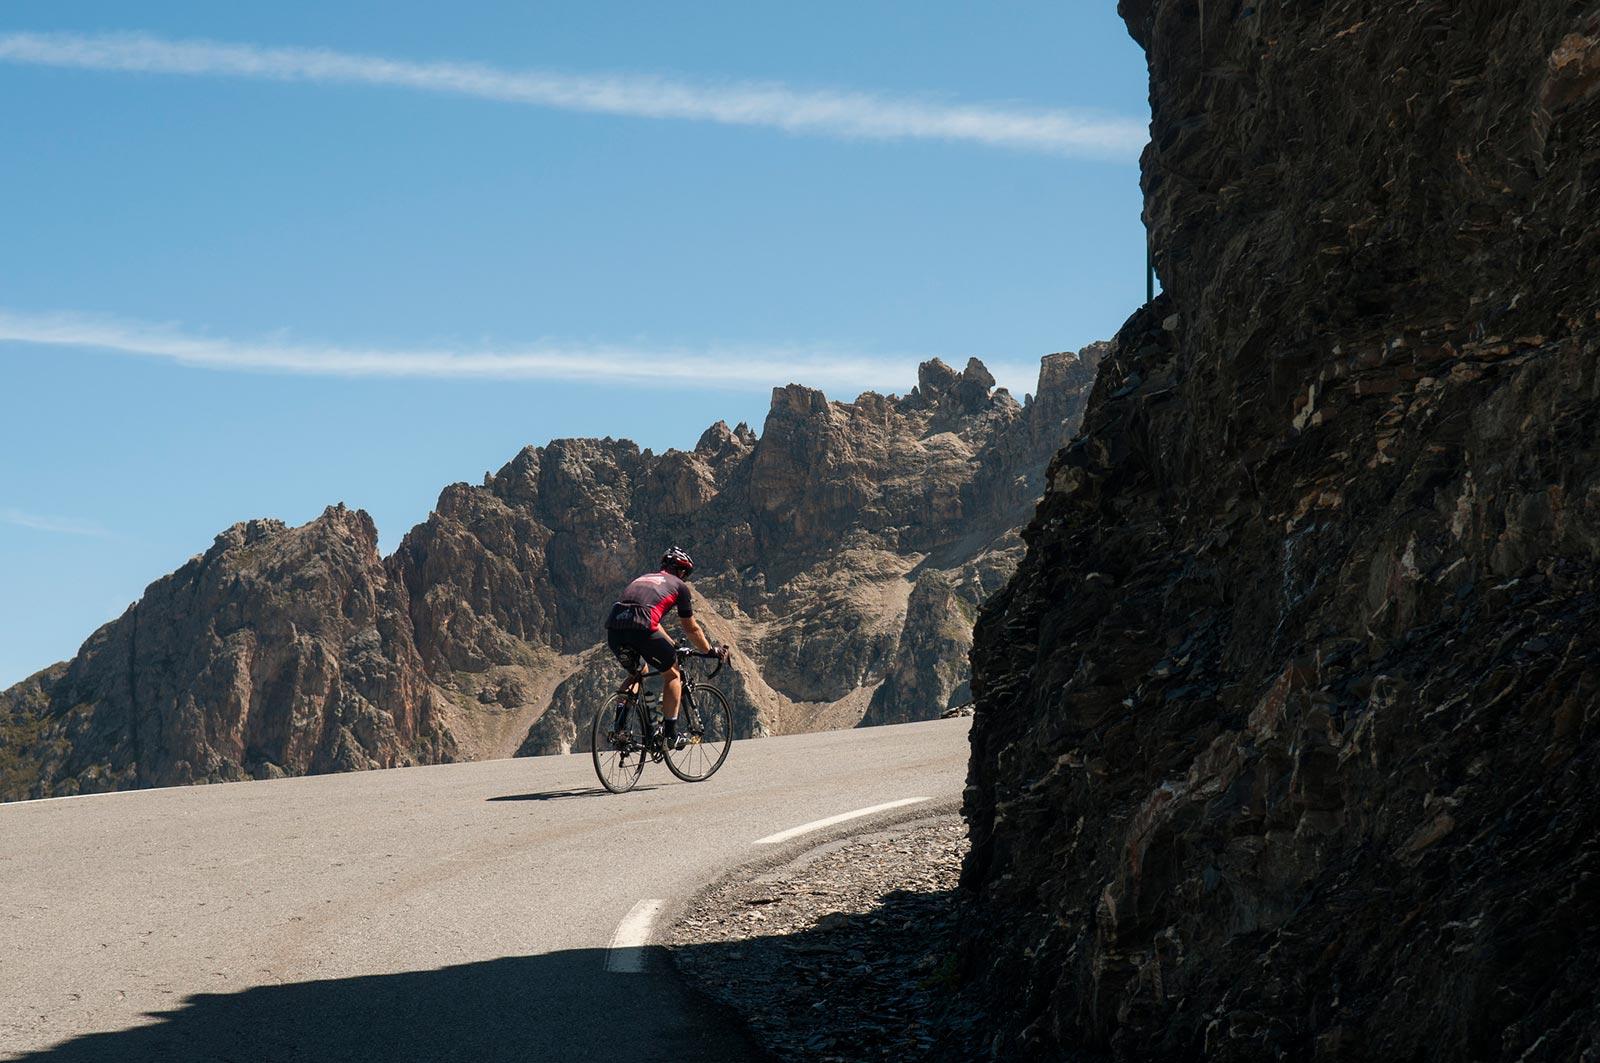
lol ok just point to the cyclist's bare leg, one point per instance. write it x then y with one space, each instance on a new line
671 692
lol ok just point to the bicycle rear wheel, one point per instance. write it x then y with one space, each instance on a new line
708 722
618 752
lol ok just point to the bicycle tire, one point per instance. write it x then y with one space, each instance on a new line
612 763
710 727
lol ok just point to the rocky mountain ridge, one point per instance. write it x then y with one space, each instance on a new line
1288 727
843 552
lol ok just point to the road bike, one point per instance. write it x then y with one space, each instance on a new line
627 729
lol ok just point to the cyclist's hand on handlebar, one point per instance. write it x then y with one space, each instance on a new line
722 651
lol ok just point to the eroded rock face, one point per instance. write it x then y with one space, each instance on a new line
843 553
824 545
1287 731
278 651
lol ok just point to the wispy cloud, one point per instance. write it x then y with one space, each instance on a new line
739 368
55 525
857 115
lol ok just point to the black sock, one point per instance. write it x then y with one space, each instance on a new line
669 727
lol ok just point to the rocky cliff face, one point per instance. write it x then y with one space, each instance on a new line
278 651
1288 727
843 553
823 546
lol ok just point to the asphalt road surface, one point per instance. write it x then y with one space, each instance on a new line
487 911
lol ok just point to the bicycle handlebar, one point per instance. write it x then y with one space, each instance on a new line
685 651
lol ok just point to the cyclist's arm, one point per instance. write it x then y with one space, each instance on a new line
697 638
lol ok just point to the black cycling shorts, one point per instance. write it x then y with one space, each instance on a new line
655 646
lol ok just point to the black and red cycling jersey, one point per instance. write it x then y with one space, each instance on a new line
647 600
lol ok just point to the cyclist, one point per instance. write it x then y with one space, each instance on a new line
633 630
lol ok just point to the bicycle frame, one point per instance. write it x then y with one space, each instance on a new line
620 753
634 684
632 691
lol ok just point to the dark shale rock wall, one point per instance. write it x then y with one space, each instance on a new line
1288 726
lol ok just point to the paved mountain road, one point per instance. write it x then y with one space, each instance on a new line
449 912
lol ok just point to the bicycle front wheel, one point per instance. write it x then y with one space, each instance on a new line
618 751
708 722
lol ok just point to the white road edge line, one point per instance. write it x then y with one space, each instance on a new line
807 828
625 954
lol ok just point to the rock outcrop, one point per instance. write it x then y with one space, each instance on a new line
824 543
278 651
843 552
1288 727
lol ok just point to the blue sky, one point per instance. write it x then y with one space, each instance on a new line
262 258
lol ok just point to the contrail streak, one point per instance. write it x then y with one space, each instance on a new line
55 525
733 368
846 114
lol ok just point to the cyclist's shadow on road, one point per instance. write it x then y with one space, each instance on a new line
558 1006
563 795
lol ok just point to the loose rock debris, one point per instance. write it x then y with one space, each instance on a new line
845 954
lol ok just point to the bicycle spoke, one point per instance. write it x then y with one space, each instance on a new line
618 753
709 725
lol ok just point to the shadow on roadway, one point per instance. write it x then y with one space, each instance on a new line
562 795
887 982
555 1007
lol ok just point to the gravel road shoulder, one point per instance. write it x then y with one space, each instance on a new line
843 953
